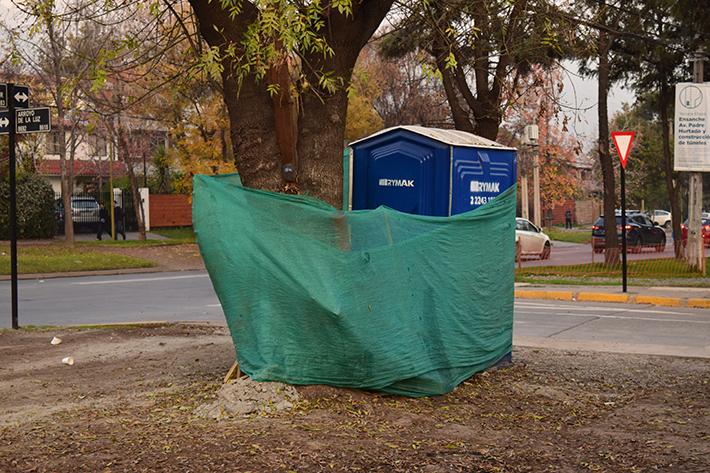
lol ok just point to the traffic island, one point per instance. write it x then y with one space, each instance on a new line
660 296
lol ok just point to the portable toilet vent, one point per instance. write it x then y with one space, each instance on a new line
428 171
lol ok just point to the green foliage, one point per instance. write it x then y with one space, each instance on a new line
35 208
281 29
645 173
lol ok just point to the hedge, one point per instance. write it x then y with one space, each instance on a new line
35 208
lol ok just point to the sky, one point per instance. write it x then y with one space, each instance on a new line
579 95
579 98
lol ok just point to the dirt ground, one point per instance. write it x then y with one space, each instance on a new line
167 258
128 404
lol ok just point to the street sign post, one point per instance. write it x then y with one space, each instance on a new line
20 95
623 141
12 122
33 120
692 152
28 120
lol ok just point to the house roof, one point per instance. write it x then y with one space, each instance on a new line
50 167
449 137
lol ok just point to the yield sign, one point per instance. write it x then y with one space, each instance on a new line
623 140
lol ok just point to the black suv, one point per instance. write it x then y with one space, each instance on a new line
640 233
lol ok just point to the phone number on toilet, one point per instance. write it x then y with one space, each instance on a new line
479 199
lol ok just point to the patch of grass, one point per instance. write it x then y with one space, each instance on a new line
55 259
551 280
661 268
130 243
571 236
177 233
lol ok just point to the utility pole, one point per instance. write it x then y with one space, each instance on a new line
536 190
524 204
696 253
531 135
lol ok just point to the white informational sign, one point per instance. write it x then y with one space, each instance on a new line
692 127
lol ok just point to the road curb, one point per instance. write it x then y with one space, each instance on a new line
586 296
552 295
100 272
602 297
699 303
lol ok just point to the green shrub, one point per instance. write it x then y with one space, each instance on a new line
35 208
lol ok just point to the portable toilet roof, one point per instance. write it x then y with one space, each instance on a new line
449 137
427 171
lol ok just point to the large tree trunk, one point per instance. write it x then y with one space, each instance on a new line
664 101
321 128
611 253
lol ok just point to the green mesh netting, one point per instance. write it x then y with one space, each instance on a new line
374 299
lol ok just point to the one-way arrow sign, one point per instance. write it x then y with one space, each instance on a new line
21 97
21 94
28 120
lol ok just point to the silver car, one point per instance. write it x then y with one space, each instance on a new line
531 240
662 218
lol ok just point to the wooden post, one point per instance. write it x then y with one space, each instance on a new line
233 373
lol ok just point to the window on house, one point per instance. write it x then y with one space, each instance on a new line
97 144
52 142
157 140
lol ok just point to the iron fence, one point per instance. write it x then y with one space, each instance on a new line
576 256
86 210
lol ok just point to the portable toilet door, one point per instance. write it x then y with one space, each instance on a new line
428 171
401 170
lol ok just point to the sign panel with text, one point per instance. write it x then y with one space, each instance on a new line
692 127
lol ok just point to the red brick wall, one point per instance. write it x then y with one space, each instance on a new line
170 210
558 213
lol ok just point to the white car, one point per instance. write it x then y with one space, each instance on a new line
531 240
661 218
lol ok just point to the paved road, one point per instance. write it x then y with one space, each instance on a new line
189 296
564 253
101 299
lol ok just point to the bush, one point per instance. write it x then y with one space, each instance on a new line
35 208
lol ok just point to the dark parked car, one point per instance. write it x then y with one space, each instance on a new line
705 231
640 233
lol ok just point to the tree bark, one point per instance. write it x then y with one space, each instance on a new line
611 253
66 176
664 101
321 127
125 153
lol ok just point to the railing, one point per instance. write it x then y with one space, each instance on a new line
584 260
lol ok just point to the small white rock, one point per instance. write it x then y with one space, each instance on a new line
68 360
56 341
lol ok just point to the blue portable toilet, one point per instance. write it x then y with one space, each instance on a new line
428 171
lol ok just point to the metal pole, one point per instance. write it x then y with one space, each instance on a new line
524 203
696 256
110 187
623 229
13 205
536 190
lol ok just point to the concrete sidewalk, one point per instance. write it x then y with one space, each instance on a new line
129 236
660 295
